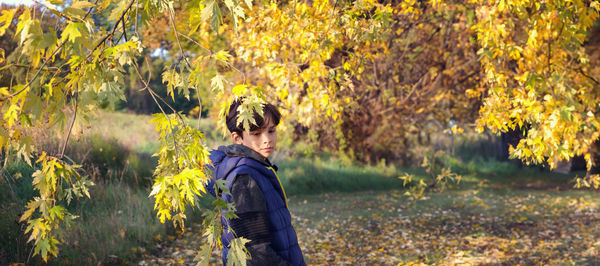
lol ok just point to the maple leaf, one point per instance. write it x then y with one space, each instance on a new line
237 252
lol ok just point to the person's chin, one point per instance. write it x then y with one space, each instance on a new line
266 154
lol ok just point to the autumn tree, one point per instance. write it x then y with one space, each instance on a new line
360 77
72 69
539 77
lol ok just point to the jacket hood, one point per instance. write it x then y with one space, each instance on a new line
236 150
223 160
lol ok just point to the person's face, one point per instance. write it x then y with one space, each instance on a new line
263 140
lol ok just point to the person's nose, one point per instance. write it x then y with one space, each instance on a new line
265 138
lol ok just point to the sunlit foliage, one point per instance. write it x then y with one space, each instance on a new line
538 76
361 78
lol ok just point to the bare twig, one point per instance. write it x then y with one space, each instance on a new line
199 106
588 76
47 69
414 88
38 71
152 94
195 42
137 9
165 102
112 32
211 53
376 80
124 30
172 20
60 46
64 147
149 68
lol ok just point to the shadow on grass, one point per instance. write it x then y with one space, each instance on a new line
118 223
313 176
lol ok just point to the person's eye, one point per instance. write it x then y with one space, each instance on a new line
272 131
254 133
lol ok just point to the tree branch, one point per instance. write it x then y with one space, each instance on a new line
64 147
588 76
195 42
211 53
112 32
38 71
152 93
60 46
172 20
124 29
199 106
47 69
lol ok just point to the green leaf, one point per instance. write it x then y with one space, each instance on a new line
45 246
31 207
222 185
207 11
103 5
57 212
173 80
82 5
72 32
216 83
112 93
247 109
34 106
116 12
76 13
48 39
203 256
237 253
217 17
25 149
42 247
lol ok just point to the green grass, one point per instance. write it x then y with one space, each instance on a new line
313 176
117 218
109 160
134 132
509 174
115 225
118 224
15 191
474 226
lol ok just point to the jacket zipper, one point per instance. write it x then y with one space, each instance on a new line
280 185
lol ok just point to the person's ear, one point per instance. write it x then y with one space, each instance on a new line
236 137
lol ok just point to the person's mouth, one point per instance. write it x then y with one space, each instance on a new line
268 149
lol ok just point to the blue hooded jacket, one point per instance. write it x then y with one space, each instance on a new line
235 160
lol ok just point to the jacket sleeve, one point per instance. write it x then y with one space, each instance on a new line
253 224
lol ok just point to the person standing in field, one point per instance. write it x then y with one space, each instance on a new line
256 191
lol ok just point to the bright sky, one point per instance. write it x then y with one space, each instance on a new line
17 2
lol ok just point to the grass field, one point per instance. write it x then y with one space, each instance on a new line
485 226
459 226
116 151
344 213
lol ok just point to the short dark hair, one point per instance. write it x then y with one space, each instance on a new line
232 117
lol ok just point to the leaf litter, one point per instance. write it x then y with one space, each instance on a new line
452 227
